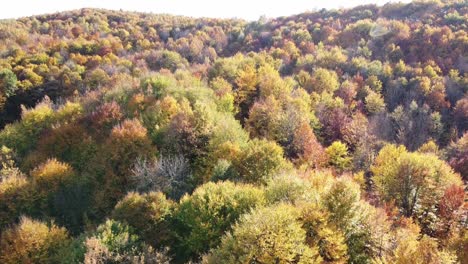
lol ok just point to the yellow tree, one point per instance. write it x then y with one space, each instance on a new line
246 91
32 242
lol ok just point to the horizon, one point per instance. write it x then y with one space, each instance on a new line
242 9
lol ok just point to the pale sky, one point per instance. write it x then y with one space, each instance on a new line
247 9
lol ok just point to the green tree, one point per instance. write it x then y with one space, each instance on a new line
288 188
21 136
266 235
260 160
265 119
114 242
416 181
7 82
8 85
203 217
324 80
342 201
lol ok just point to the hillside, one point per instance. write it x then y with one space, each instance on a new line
335 136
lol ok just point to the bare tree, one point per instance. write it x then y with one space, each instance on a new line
146 176
169 174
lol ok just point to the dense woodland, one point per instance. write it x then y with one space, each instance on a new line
335 136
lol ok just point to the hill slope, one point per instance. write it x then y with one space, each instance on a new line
337 136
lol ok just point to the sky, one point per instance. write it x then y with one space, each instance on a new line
246 9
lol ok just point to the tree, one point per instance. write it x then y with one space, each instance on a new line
156 117
7 82
342 201
416 181
50 176
457 153
171 175
461 114
330 58
288 188
21 136
60 194
430 147
348 92
424 250
265 119
246 91
149 214
266 235
356 131
320 233
105 116
270 82
413 126
374 83
203 217
338 156
165 59
324 80
307 148
374 103
114 242
127 141
449 208
16 196
70 143
96 78
333 117
260 160
32 241
364 227
8 85
227 130
189 134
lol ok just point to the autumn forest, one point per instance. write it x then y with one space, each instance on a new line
332 136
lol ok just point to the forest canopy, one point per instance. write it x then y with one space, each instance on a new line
333 136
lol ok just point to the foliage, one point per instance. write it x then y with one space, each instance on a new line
32 241
259 161
338 156
324 80
270 234
203 217
16 196
114 242
322 234
458 156
148 214
340 135
8 85
415 181
374 103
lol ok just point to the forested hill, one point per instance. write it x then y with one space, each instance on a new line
334 136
